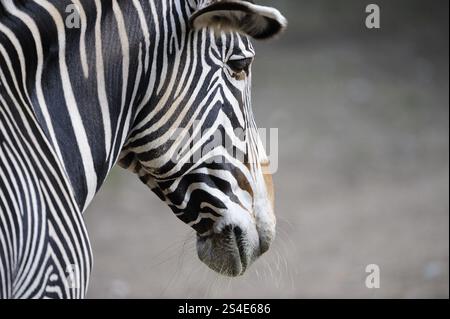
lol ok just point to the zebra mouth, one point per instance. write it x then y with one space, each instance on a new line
226 253
240 244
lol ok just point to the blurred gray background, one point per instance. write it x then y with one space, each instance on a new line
363 118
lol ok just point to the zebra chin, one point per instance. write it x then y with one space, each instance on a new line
231 251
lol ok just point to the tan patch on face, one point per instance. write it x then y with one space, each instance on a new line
269 183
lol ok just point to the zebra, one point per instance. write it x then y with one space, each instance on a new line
144 84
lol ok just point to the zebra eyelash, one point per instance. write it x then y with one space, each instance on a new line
240 65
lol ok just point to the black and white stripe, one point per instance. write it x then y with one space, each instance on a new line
75 101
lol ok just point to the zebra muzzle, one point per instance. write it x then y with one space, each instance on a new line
227 252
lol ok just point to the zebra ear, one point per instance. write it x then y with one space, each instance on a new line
259 22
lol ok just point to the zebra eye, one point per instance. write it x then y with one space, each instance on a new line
241 66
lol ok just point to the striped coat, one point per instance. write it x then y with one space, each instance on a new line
87 83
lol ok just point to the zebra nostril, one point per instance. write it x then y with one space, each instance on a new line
238 234
227 230
263 247
233 231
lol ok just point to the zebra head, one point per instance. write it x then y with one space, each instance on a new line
195 143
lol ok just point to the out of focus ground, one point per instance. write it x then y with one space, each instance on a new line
363 119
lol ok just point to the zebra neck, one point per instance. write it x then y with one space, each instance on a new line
85 85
